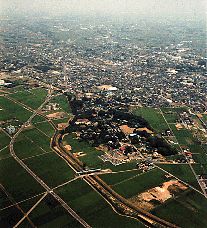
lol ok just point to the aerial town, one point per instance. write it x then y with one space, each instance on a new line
103 121
141 74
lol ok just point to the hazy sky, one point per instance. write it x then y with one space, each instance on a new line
165 8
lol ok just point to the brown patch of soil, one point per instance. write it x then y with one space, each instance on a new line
126 130
158 195
56 115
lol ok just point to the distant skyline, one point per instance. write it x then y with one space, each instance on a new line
151 8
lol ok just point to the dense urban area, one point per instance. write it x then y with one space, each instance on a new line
103 123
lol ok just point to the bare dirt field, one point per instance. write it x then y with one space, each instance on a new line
68 147
145 129
158 195
126 130
57 115
62 126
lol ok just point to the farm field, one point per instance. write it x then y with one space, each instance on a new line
119 177
190 204
181 171
63 103
91 158
25 148
17 181
153 116
4 153
170 114
46 128
51 168
140 183
38 138
10 216
32 98
92 207
49 213
10 110
184 136
204 118
38 119
4 139
32 146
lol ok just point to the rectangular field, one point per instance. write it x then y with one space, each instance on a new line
38 138
4 139
32 98
49 213
140 183
154 117
188 210
181 171
92 207
17 181
25 148
46 128
9 110
51 168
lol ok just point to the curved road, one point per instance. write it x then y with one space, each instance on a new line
120 204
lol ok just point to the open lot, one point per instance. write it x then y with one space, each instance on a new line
154 118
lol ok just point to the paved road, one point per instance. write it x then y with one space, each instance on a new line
39 180
193 171
121 205
16 205
30 210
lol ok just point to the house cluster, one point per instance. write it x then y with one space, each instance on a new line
51 107
171 73
188 155
186 119
107 124
10 126
145 165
